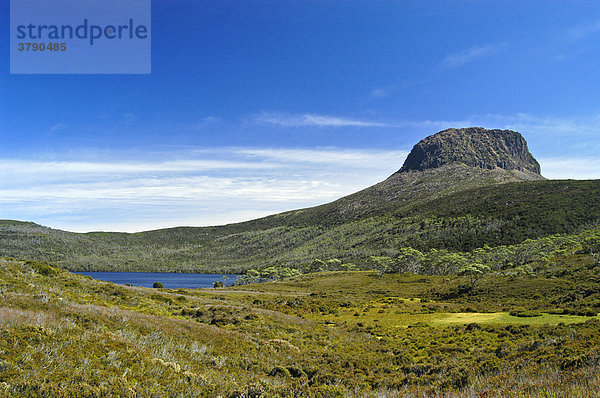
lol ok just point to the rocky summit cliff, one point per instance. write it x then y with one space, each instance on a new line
473 146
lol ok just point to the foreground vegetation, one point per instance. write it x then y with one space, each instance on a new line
323 334
453 282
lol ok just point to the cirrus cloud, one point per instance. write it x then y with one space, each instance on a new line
472 54
307 119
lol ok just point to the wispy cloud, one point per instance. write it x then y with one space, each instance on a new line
381 92
334 157
61 168
433 126
472 54
210 119
55 129
392 88
288 120
583 30
586 127
571 168
203 187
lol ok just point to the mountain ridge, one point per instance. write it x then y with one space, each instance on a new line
454 206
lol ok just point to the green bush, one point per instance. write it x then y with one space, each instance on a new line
525 314
42 268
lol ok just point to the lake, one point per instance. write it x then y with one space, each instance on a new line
168 279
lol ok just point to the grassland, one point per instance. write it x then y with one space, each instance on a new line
324 334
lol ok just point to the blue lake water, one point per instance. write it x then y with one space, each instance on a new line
168 279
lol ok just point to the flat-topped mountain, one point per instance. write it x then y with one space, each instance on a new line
473 146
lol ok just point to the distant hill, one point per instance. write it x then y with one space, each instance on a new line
458 189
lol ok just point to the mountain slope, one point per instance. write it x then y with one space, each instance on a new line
448 204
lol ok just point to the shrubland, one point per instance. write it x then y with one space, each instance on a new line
520 330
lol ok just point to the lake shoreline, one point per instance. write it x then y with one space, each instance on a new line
170 280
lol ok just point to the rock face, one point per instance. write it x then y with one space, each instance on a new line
473 146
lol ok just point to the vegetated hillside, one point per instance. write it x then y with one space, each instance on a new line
493 215
451 194
528 331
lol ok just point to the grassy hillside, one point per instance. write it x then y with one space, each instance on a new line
320 335
455 207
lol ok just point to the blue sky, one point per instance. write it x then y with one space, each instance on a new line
258 107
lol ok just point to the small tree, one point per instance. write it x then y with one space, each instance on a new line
408 260
382 264
270 273
348 267
217 284
592 246
317 266
333 264
474 271
286 272
158 285
443 262
251 276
